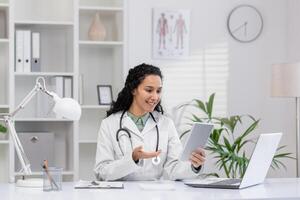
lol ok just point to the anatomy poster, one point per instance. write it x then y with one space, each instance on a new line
171 32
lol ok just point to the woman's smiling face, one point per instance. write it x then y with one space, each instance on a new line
147 95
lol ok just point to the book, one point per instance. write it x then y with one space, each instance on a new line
19 62
27 51
36 51
81 184
57 83
67 87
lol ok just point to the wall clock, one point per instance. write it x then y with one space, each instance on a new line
245 23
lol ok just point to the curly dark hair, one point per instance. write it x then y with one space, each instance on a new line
135 76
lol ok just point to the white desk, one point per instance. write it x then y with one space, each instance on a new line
271 189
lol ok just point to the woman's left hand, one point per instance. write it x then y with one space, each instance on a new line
197 157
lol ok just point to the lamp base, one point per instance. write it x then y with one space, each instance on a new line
30 183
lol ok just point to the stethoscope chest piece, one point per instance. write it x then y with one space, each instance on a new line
156 160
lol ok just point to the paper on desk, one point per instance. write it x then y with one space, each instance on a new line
157 186
99 185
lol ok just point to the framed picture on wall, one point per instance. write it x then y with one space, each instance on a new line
170 33
104 94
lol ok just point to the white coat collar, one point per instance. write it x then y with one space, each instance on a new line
130 125
150 124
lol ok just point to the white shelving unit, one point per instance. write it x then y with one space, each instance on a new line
4 5
37 119
87 141
4 41
101 43
105 107
4 86
45 23
44 74
4 106
100 8
65 51
106 60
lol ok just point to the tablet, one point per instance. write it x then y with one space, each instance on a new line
197 138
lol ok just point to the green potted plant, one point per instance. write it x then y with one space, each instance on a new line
3 129
225 144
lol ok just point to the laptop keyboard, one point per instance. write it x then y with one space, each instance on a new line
227 182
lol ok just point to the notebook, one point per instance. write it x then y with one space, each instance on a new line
81 184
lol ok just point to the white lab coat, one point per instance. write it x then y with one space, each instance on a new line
111 164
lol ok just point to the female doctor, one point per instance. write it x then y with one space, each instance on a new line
136 141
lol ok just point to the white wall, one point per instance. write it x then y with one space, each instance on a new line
294 31
246 67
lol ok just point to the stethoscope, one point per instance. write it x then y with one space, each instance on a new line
156 160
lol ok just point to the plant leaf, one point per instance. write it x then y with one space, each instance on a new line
3 129
209 105
201 105
227 151
196 119
227 144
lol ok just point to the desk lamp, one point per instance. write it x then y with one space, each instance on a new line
63 107
286 83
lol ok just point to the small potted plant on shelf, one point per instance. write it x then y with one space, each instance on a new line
229 138
3 130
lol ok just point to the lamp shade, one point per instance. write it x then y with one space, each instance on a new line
66 107
286 80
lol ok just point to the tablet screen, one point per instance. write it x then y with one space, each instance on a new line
198 137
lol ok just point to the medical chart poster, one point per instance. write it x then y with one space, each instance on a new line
170 33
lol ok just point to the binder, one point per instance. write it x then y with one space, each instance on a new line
27 51
19 51
80 89
57 82
3 24
36 52
68 92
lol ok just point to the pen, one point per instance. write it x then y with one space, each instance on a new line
52 182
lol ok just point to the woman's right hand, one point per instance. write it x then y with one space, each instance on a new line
138 153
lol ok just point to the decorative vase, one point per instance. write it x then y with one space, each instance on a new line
97 30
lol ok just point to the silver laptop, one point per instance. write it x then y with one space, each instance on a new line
257 168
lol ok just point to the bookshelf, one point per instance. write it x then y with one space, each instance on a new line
102 3
102 43
3 5
4 86
105 59
66 51
4 41
36 74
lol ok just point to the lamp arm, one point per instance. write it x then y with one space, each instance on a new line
18 146
8 119
38 87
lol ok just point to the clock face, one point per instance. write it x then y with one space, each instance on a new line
245 23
